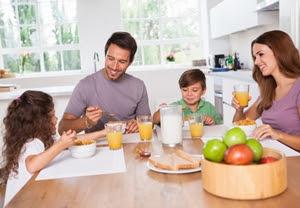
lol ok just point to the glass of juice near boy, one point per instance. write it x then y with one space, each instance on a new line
114 132
145 127
241 93
196 125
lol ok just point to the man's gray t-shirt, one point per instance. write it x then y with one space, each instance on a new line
126 97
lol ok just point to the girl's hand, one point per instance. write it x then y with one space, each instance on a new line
67 138
265 131
207 120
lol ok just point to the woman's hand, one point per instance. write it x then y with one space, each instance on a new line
265 131
235 103
207 120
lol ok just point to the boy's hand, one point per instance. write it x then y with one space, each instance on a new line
207 120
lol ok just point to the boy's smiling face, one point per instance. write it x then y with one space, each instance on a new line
192 94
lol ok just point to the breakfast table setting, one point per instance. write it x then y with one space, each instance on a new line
123 177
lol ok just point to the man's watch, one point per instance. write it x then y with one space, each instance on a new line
87 124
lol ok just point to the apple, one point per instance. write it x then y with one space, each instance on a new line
214 150
256 148
239 154
267 159
234 136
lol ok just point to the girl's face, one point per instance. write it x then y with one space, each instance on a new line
192 94
264 59
53 120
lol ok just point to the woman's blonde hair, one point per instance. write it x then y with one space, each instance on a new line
287 58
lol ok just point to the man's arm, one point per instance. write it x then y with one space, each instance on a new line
69 121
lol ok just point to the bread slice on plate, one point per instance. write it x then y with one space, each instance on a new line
165 162
175 161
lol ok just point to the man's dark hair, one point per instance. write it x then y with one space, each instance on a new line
123 40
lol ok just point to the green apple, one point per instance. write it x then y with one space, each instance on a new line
234 136
256 148
214 150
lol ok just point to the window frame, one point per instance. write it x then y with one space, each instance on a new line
40 49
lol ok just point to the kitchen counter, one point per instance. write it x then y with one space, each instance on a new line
53 91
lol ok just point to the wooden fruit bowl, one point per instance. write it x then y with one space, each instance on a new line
256 181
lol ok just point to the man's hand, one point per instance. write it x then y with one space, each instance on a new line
131 126
93 115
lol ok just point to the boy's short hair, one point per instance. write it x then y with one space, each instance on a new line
191 77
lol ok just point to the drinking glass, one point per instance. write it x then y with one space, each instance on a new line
196 125
241 93
114 134
145 127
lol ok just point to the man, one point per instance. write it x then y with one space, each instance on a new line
109 94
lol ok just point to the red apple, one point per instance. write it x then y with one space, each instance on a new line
239 154
267 159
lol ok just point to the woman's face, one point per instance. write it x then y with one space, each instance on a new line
192 94
264 59
53 120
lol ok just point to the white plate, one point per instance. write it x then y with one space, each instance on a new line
153 168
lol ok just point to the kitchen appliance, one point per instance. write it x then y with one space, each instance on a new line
219 60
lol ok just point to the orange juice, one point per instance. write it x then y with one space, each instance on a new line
145 129
196 130
242 97
114 140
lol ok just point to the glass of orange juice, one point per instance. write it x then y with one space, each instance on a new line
145 127
241 93
114 131
196 125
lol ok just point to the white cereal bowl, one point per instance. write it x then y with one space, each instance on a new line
83 151
248 129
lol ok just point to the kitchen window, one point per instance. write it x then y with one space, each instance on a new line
39 36
167 31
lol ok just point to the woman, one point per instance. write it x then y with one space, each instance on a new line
276 71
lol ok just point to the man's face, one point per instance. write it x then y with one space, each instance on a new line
117 61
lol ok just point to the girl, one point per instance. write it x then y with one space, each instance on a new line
277 73
29 146
192 85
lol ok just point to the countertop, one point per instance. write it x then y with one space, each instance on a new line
53 91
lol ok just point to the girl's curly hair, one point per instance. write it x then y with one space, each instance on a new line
27 117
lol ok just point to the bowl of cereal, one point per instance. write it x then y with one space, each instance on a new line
247 125
83 148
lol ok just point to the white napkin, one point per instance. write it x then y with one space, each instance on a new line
105 161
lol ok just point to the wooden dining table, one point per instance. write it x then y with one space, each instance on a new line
141 187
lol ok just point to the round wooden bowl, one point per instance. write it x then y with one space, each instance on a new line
255 181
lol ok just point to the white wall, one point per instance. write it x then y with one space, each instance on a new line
241 43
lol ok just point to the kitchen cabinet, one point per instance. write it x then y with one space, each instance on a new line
230 16
227 86
209 94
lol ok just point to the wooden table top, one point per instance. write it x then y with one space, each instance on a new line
140 187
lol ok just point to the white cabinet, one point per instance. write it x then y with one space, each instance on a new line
227 86
230 16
